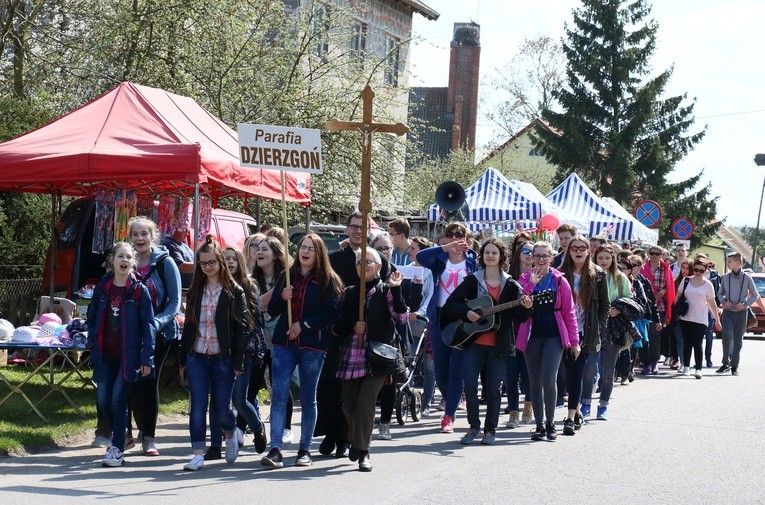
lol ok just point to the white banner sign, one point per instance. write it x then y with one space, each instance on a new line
280 148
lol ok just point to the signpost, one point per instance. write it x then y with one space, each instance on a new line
682 228
648 213
269 147
366 127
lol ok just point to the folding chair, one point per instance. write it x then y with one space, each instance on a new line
62 307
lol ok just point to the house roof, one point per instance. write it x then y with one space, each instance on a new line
421 8
735 242
429 121
515 137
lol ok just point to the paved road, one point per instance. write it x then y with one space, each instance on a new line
669 439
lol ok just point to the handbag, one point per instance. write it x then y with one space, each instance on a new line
382 354
255 343
681 306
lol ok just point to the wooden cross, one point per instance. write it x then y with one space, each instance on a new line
367 127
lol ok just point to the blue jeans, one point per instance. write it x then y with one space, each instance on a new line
448 364
429 380
284 360
112 399
679 340
610 354
516 369
213 376
476 358
590 376
244 408
543 357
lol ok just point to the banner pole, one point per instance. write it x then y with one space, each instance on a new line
286 249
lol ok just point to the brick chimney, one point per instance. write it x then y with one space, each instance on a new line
462 96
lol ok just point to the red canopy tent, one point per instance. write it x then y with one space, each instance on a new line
141 138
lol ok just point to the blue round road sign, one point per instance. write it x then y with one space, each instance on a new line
682 228
648 213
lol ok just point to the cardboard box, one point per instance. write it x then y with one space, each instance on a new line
4 357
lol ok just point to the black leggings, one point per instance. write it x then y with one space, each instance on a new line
693 337
387 397
144 394
574 377
257 382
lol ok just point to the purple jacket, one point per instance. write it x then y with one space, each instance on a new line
565 313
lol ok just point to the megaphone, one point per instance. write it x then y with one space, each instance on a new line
450 196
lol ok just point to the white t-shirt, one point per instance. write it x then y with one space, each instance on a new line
451 277
698 308
580 311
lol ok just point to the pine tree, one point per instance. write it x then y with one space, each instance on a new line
615 129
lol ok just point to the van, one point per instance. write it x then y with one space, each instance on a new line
77 265
331 234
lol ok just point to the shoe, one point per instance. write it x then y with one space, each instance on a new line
526 416
273 459
327 446
129 442
723 369
101 442
734 371
586 409
623 382
675 364
441 405
447 424
114 457
365 463
568 427
539 433
667 361
342 450
232 448
260 440
303 458
709 364
469 436
602 413
212 454
631 377
489 438
686 370
680 370
578 421
148 447
383 432
196 463
287 437
655 369
239 437
698 373
425 412
646 370
551 432
512 420
354 454
462 405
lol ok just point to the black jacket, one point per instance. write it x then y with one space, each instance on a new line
231 333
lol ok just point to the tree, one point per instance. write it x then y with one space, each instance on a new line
615 128
423 180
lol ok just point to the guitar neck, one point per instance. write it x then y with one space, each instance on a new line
501 307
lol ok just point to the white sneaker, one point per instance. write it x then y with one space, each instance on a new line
101 442
196 463
668 361
697 374
686 370
232 448
383 433
239 437
287 437
512 420
425 412
114 457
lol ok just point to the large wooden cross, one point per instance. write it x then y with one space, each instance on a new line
367 127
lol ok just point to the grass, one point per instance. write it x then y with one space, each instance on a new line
21 429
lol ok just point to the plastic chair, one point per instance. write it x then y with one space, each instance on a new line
62 307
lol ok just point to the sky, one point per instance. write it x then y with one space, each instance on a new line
716 49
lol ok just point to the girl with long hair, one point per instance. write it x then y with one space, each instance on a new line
212 348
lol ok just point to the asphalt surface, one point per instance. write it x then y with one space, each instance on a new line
669 439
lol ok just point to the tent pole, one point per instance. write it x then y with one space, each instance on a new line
196 216
53 247
258 212
307 219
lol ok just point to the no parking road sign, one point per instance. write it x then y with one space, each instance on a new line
682 228
648 213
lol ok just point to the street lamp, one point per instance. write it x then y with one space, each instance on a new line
759 160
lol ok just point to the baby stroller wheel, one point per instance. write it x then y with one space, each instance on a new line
402 407
415 406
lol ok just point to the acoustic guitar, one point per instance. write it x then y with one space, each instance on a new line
460 334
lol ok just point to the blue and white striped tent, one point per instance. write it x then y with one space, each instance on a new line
641 231
531 191
574 196
493 199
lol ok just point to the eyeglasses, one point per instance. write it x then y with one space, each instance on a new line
369 262
699 270
625 267
354 227
541 257
454 234
655 253
578 248
307 248
208 264
383 249
525 250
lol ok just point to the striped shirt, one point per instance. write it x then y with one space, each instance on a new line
207 336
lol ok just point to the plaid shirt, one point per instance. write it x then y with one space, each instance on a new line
207 339
353 363
659 284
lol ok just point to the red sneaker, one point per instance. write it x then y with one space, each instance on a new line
447 424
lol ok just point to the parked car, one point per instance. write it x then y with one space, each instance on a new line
77 265
332 234
759 306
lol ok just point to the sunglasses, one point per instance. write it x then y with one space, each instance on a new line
454 234
699 270
655 253
525 250
578 248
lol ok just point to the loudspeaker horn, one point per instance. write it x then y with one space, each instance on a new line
450 196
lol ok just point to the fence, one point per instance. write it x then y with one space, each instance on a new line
19 299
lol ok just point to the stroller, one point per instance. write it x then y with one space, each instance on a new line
408 386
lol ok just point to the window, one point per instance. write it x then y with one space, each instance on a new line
320 27
392 60
358 42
